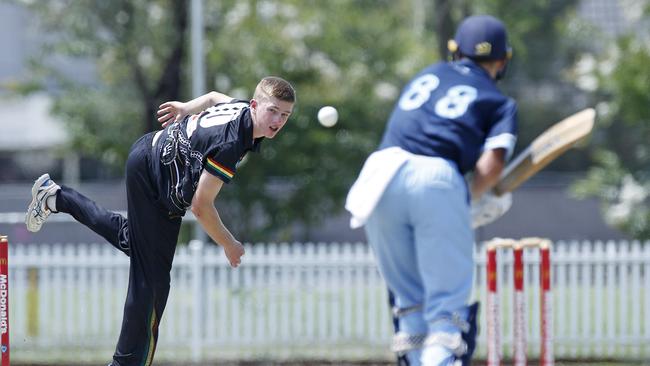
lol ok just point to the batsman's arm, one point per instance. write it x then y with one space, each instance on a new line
206 213
173 111
487 171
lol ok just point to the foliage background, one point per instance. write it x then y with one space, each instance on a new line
355 55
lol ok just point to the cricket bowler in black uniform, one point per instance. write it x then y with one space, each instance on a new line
182 166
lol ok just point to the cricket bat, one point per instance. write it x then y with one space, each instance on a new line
545 148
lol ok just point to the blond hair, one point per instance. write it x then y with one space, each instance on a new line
273 86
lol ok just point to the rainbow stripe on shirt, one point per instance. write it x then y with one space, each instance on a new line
219 169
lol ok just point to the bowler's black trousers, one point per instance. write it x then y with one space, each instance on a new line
149 237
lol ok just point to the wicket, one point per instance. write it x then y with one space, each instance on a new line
519 306
4 300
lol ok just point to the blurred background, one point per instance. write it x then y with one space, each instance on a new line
80 81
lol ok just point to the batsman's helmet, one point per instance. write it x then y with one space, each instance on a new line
480 37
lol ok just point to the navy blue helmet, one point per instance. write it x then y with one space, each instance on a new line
480 37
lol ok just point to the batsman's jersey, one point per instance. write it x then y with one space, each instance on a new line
452 110
215 140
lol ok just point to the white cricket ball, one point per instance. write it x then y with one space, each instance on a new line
327 116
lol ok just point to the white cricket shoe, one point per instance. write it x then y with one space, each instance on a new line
37 212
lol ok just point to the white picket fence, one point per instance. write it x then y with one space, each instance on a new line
307 300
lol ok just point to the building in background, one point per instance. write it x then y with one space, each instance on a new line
31 138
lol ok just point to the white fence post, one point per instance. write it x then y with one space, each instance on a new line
196 250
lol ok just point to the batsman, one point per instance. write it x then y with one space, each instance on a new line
413 198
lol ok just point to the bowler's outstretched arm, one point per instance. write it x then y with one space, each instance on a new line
206 213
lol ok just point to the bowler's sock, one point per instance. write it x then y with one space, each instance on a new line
51 202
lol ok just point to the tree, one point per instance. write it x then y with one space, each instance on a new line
136 73
335 53
355 55
325 51
620 80
321 47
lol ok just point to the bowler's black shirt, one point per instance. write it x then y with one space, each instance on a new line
214 140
